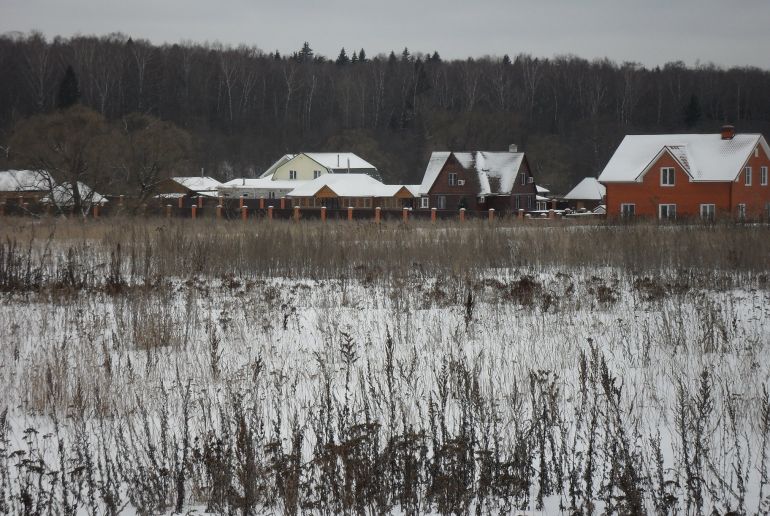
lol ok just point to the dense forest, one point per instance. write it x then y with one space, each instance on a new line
244 107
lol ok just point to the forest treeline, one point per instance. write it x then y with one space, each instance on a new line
244 107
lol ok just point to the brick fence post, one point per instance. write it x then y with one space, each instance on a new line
405 215
261 203
491 214
200 201
240 202
269 213
462 214
520 214
219 211
433 215
283 203
180 202
350 213
377 215
96 211
296 214
551 214
168 211
244 213
194 211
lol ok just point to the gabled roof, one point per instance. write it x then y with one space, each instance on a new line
589 189
541 190
271 170
346 185
62 195
198 183
705 157
496 171
25 181
339 160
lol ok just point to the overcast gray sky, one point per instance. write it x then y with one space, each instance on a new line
651 32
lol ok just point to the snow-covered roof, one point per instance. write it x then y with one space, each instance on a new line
589 189
346 185
340 160
271 170
198 183
24 181
62 195
261 183
413 189
705 157
496 171
541 190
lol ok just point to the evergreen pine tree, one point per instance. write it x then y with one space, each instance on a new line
306 54
277 56
354 59
392 57
692 112
69 91
435 58
506 60
343 59
405 55
362 56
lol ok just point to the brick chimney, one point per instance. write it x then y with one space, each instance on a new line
728 132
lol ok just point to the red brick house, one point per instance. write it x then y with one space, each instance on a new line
689 175
478 181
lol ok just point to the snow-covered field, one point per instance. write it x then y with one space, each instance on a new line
493 390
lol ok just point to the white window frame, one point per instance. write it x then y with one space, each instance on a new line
666 174
424 202
452 179
667 207
441 202
763 176
708 211
292 174
747 176
316 174
625 212
523 179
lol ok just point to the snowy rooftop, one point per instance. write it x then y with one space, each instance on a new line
261 183
339 160
496 171
271 170
62 195
198 183
346 185
587 189
541 190
24 181
705 157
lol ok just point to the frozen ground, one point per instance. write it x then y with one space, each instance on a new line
528 389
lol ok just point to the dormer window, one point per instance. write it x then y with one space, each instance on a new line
292 174
667 175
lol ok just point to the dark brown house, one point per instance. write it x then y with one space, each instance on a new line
478 181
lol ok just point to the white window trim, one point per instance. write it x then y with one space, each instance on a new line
747 176
452 179
623 212
316 174
713 211
763 176
424 202
523 179
668 214
664 172
292 174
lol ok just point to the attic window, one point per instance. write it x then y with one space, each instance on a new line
452 179
292 174
747 174
667 176
523 178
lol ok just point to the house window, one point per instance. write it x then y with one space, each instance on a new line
667 176
316 174
441 202
424 202
523 178
767 210
747 176
271 195
518 202
452 179
763 176
666 211
707 211
741 211
292 174
627 210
